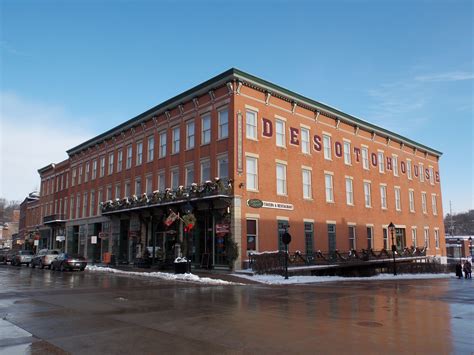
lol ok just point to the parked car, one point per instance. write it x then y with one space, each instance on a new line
3 255
22 257
44 258
10 255
68 262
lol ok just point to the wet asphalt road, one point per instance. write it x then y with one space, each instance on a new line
97 313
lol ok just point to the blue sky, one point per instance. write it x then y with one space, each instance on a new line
73 69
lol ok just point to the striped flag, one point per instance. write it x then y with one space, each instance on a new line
171 218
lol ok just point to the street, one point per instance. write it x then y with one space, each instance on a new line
98 313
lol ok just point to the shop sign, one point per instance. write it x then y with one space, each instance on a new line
37 242
60 238
93 239
222 228
255 203
103 235
277 205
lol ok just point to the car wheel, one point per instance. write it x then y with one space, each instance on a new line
41 266
61 268
82 268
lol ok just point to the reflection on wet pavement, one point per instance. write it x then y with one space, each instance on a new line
106 313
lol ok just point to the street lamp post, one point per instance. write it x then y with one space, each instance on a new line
391 228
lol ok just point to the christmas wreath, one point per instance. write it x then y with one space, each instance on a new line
189 221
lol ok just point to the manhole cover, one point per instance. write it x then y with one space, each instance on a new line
370 324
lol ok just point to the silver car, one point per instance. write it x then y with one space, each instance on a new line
22 257
44 258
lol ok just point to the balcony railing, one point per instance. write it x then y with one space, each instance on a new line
54 218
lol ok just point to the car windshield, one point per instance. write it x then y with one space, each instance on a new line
54 252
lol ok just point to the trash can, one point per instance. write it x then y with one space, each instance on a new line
180 267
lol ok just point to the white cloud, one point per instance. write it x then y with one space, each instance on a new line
32 135
442 77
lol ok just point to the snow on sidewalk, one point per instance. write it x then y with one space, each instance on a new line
163 276
280 280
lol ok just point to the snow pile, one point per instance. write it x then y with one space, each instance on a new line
163 276
280 280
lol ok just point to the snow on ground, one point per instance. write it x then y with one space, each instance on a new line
280 280
163 276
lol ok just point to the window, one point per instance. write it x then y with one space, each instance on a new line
102 166
427 237
128 164
423 202
127 189
251 124
383 196
86 176
151 148
79 179
413 237
422 173
108 193
329 188
365 158
395 165
307 190
347 153
349 192
327 147
381 160
84 204
162 145
161 181
190 135
385 238
189 171
205 170
73 181
409 171
433 204
78 205
99 200
92 210
282 228
352 237
281 179
176 140
67 180
331 237
251 173
111 163
149 184
251 234
431 176
436 234
223 167
305 145
367 194
139 153
138 187
398 205
119 160
370 237
223 121
205 129
118 193
280 133
308 237
411 200
174 178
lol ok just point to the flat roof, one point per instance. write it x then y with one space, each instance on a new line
237 74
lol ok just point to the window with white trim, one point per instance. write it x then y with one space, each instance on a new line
434 207
190 128
349 191
307 190
205 170
223 122
79 179
251 170
431 176
329 188
411 199
128 163
102 166
111 164
367 194
161 181
251 234
395 165
427 237
422 173
281 179
149 184
127 189
86 176
189 175
413 237
138 187
280 133
162 152
305 145
205 129
398 205
175 134
139 153
119 160
84 204
381 160
150 148
327 147
436 235
370 237
385 238
118 192
94 170
174 178
352 237
223 167
347 153
423 202
383 196
409 170
251 124
365 157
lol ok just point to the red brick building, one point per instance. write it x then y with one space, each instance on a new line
336 180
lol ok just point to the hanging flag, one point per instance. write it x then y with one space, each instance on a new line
171 218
